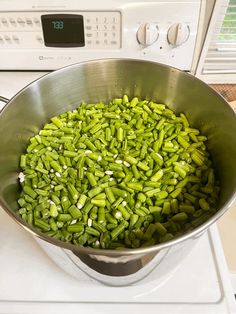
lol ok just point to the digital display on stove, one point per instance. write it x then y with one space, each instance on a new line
63 30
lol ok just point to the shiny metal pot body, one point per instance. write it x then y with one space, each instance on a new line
103 80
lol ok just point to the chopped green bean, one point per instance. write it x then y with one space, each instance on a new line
99 203
75 212
75 228
203 204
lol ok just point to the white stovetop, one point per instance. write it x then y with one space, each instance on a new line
31 283
12 82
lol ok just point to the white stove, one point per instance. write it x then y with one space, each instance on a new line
162 31
31 283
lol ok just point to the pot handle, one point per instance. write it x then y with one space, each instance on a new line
4 99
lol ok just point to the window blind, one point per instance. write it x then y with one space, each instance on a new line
221 54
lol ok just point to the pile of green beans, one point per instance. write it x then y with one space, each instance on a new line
127 174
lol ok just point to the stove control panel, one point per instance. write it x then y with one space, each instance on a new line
93 30
45 38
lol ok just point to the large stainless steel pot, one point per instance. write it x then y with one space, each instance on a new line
103 80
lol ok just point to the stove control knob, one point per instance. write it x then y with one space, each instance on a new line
147 34
178 34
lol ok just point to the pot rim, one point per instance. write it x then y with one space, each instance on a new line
124 252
